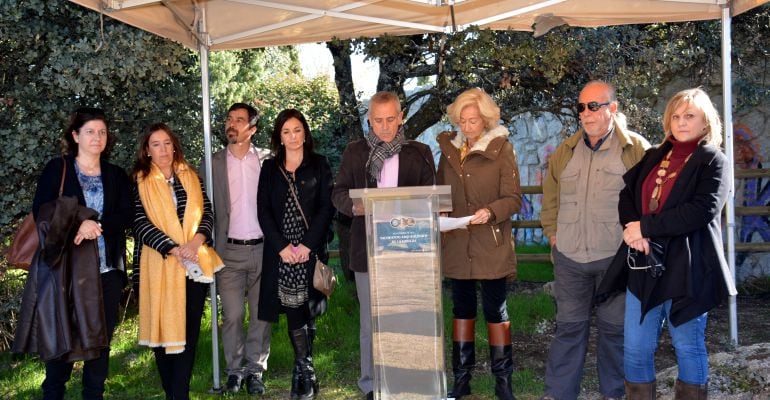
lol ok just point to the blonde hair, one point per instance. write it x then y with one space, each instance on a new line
700 100
489 111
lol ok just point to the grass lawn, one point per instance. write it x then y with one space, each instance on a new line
133 374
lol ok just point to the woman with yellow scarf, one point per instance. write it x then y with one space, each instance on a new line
172 229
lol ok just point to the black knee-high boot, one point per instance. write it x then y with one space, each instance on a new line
311 330
307 379
463 356
501 357
296 374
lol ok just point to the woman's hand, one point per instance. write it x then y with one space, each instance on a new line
176 252
189 250
481 216
302 252
632 235
632 232
642 245
89 230
288 255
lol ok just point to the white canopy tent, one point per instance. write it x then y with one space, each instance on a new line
208 25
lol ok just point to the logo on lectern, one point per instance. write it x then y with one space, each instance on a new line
403 222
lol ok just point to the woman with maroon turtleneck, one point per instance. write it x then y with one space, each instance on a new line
674 198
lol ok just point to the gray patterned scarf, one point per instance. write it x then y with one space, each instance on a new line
379 151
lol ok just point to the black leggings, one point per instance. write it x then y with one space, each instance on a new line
493 293
297 317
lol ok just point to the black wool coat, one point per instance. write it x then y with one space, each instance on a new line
314 187
688 226
118 213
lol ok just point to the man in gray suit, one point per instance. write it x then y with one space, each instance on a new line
238 241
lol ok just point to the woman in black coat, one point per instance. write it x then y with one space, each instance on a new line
105 188
295 235
673 200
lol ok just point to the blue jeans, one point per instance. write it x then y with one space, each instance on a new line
641 341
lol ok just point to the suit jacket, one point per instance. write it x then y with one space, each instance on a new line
688 226
221 193
415 168
314 186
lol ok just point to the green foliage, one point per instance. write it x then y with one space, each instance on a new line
316 99
545 74
11 287
133 374
54 59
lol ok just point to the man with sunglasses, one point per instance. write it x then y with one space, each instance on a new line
580 213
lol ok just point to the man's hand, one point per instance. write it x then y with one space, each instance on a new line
358 209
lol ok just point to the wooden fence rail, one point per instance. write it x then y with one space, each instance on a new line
739 212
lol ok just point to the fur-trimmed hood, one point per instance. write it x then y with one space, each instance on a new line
484 140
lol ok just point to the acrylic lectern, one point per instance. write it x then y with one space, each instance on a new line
404 250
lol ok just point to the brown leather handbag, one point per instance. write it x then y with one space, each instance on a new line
25 241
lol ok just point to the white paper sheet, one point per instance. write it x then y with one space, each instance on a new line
447 224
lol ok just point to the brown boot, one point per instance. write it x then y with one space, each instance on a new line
640 391
463 356
688 391
501 358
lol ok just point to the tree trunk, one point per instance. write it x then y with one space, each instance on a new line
350 124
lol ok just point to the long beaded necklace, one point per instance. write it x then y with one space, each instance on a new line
663 177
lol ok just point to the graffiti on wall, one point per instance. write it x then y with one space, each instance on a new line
756 191
531 203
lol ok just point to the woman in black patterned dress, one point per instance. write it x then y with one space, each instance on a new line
295 212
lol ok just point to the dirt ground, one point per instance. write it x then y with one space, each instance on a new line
531 351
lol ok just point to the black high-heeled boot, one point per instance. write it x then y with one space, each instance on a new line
307 379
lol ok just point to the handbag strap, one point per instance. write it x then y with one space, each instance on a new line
294 195
296 200
63 174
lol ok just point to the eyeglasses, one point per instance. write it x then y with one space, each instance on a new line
651 262
593 106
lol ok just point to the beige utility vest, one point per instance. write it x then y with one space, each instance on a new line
588 227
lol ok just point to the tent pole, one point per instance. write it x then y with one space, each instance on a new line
206 99
727 99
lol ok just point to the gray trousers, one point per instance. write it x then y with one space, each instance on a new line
238 280
574 289
366 381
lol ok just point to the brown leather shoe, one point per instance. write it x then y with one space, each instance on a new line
688 391
640 391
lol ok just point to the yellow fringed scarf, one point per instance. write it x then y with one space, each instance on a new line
162 294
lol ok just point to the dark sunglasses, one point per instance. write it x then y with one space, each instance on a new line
593 106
